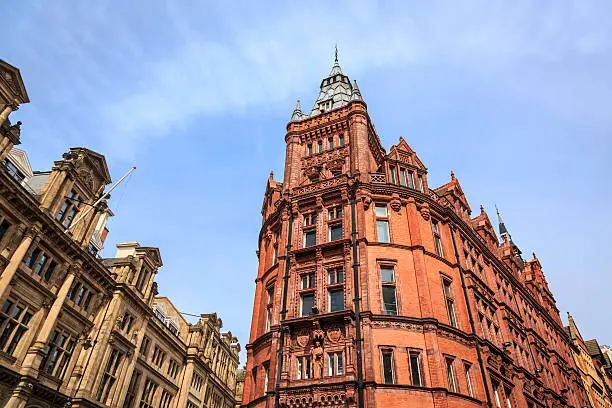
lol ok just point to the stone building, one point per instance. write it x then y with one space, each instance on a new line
376 289
593 366
78 330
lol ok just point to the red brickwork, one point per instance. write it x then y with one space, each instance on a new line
513 349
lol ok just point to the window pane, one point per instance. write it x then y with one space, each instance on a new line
336 300
340 276
307 304
451 375
332 277
382 228
335 232
415 369
381 210
386 274
403 177
310 238
387 360
389 303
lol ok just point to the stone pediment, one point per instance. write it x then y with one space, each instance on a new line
403 153
11 81
153 254
20 160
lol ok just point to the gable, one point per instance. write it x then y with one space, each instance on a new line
12 83
20 159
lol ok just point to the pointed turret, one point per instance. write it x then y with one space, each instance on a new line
356 95
297 112
336 90
503 231
573 329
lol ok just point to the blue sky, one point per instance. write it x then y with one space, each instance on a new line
514 97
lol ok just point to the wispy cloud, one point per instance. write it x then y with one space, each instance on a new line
144 72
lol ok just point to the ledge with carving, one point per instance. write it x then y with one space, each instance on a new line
320 186
418 325
264 340
319 394
322 319
323 246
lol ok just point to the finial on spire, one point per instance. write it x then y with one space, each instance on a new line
336 49
356 94
452 175
297 112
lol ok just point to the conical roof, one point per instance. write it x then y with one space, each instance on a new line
336 90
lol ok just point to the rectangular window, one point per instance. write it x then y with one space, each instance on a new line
14 320
330 143
68 209
335 213
410 179
496 394
309 149
320 147
436 234
450 374
110 375
336 300
336 276
304 371
173 368
266 378
387 367
335 231
310 238
165 400
392 175
341 140
307 304
382 223
468 379
58 353
387 277
148 394
142 278
13 171
450 302
308 281
415 368
421 187
159 356
334 361
269 307
144 347
403 180
130 396
508 392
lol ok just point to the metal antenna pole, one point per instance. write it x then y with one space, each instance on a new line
100 199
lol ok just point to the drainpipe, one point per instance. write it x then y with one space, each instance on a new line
281 344
469 309
357 298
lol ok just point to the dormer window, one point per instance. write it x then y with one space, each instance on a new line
68 209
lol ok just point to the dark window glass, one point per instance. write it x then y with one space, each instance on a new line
415 369
310 238
387 363
336 300
307 304
389 301
335 232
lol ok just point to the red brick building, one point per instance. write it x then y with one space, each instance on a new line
376 289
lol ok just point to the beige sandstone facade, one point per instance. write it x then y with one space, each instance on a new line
78 330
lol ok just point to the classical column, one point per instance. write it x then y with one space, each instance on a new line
184 393
17 258
36 352
123 387
20 395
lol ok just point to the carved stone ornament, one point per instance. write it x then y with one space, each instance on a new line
302 339
424 210
333 335
395 203
367 200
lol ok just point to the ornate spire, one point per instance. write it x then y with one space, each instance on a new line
503 231
336 68
297 112
356 95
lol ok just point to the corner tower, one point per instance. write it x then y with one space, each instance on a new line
374 289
